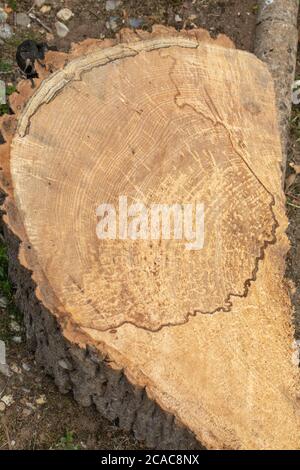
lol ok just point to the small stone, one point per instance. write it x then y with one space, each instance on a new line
2 352
135 23
2 101
112 4
112 23
26 367
4 370
45 9
5 31
14 326
30 405
39 3
49 37
2 406
26 413
193 17
65 14
41 400
296 92
3 15
61 29
3 300
22 20
17 339
65 364
16 369
178 18
8 400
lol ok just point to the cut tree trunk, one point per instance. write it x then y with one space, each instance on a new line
276 43
147 329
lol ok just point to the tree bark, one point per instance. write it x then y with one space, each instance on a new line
276 43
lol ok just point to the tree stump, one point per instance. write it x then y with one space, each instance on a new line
182 345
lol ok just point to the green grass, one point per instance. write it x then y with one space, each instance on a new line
67 442
21 36
10 89
4 108
12 4
5 67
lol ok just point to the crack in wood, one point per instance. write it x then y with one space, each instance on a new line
74 71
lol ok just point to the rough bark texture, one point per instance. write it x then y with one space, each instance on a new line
276 44
88 375
230 377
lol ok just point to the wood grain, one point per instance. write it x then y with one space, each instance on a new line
165 118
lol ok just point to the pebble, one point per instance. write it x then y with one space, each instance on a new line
112 23
45 9
178 18
14 326
41 400
65 14
3 15
49 37
30 405
22 20
2 406
65 364
135 22
4 369
296 92
5 31
112 4
26 367
2 352
3 300
39 3
16 369
17 339
26 413
2 101
61 29
8 400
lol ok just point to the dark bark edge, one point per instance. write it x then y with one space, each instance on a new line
276 43
84 373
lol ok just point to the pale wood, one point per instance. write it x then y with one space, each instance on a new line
164 118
